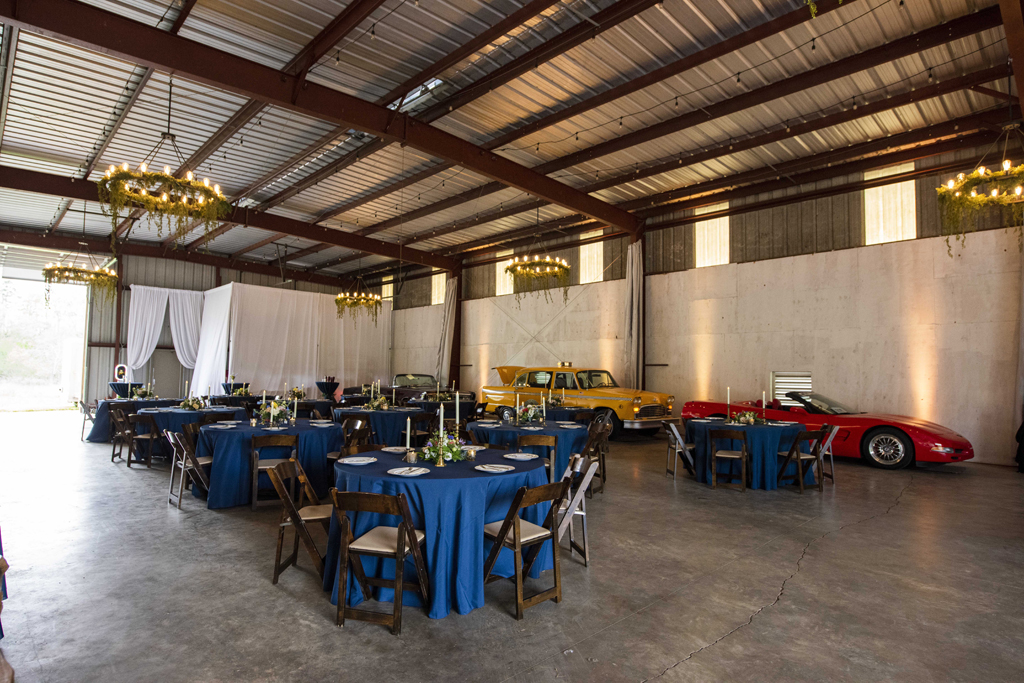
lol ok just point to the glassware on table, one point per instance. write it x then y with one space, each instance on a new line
410 455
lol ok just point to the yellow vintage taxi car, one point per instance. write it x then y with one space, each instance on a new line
590 388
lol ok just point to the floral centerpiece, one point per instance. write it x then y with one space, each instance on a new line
439 396
274 411
194 403
241 391
295 393
531 412
555 402
143 392
749 417
379 403
443 446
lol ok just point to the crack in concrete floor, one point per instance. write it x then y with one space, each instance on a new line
782 588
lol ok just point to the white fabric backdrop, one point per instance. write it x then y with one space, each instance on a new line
145 320
444 351
634 312
212 356
186 317
274 336
352 348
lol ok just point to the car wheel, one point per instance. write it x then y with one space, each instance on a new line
507 414
610 416
887 448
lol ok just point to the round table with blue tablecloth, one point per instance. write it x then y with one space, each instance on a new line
451 505
387 425
571 439
175 420
564 414
101 432
230 482
763 444
124 389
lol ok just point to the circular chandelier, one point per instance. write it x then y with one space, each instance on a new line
356 301
539 274
179 205
980 189
102 281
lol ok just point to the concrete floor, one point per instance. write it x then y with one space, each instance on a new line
912 576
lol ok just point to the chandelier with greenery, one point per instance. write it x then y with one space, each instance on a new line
356 301
539 273
178 205
970 193
102 281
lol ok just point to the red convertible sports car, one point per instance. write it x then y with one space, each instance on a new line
887 441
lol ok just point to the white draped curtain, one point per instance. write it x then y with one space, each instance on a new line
186 317
274 337
145 320
212 354
444 351
633 324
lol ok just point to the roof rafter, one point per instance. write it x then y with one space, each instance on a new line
1013 23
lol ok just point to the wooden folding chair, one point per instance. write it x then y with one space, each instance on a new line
826 450
192 468
599 432
121 435
742 455
259 443
138 439
88 415
678 450
220 400
214 417
419 436
580 472
794 454
296 514
550 442
525 534
381 541
190 431
359 437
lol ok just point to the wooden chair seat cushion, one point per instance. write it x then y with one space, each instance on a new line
270 463
381 539
528 530
334 455
150 435
800 454
737 455
314 513
205 460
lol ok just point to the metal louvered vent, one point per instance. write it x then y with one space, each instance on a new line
653 410
784 382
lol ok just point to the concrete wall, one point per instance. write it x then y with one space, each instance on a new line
895 328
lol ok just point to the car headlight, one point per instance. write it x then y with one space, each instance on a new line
671 402
939 448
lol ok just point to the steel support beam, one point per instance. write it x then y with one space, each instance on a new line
931 37
1013 25
8 53
73 243
262 243
117 36
45 183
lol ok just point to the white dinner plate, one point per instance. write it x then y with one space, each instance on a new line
494 469
533 429
487 426
573 426
408 471
472 448
274 429
520 456
357 460
321 424
221 426
393 449
230 422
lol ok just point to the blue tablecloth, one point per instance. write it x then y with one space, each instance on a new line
466 408
387 425
763 444
564 414
175 420
230 482
100 432
569 440
451 505
322 407
124 389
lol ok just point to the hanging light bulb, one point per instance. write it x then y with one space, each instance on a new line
974 193
1017 190
950 184
981 170
959 176
206 181
216 188
188 175
143 167
124 166
167 170
111 169
163 197
995 193
1006 164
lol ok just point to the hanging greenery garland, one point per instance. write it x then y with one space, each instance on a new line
539 275
970 193
813 6
356 301
102 281
176 204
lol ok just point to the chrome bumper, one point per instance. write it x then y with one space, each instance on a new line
647 423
